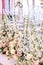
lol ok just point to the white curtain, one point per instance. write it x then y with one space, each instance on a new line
27 8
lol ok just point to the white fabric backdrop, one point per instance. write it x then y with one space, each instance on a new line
38 10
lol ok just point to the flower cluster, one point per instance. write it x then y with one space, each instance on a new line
26 47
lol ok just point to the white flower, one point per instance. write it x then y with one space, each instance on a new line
12 51
28 57
38 53
42 50
16 35
11 45
15 57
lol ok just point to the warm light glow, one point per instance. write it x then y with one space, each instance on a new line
41 1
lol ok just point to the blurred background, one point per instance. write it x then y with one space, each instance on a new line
32 8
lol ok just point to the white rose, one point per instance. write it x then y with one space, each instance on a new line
12 51
11 44
28 57
38 54
33 37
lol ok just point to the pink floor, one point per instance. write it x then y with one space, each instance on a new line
4 60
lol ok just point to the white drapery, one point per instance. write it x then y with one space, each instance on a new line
27 8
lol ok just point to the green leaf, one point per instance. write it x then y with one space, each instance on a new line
21 58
